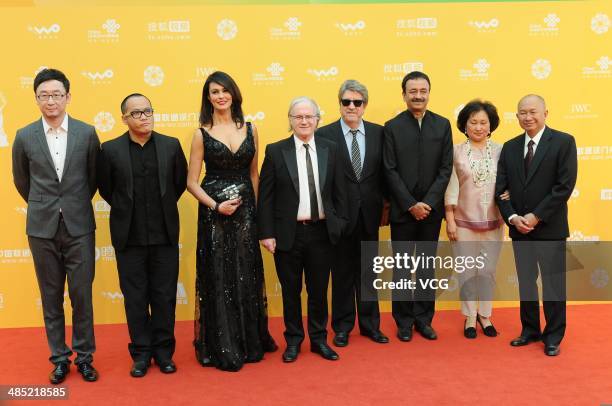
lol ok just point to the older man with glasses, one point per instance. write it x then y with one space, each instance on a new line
141 175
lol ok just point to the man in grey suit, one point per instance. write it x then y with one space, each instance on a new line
54 170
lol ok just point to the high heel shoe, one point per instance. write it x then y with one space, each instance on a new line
489 330
468 332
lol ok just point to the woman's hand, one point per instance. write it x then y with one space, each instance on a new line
505 195
228 207
451 230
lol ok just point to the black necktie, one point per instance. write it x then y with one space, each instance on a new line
529 156
355 155
312 190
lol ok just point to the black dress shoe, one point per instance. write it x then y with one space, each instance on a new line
522 340
270 346
291 353
87 371
404 334
489 330
426 331
377 337
139 369
59 373
325 351
469 332
552 350
166 367
341 339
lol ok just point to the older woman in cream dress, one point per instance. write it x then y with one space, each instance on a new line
472 218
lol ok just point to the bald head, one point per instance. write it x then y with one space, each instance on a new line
532 98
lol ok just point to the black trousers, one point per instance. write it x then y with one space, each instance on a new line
310 255
56 259
416 306
148 277
347 283
549 257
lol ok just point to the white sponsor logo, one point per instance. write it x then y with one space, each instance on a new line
606 194
176 120
579 236
173 30
602 70
26 82
600 23
3 138
104 121
458 110
45 32
202 73
548 28
324 74
417 27
274 75
541 69
600 278
485 26
479 71
114 297
106 253
153 75
99 78
15 256
1 301
290 30
101 205
352 29
22 210
510 117
259 116
227 29
108 34
396 71
575 194
581 111
594 152
181 294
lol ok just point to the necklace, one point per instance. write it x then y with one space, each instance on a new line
481 169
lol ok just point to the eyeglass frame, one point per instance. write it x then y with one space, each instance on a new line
44 98
357 103
302 118
140 113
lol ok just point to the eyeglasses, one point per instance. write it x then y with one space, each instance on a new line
301 118
136 114
347 102
46 97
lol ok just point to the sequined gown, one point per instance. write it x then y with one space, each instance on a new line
231 322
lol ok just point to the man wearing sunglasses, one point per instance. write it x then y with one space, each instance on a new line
54 170
141 175
418 160
360 146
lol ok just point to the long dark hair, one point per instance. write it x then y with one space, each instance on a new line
206 111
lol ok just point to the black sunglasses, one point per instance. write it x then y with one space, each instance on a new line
347 102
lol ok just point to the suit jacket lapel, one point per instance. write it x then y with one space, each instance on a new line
341 143
539 154
368 157
160 149
124 156
322 153
519 151
291 162
73 138
39 134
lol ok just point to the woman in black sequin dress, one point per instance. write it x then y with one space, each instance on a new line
231 322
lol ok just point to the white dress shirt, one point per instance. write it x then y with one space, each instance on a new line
304 206
535 139
57 140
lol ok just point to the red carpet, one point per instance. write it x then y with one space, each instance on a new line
449 371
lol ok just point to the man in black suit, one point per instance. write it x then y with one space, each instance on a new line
539 169
142 174
359 144
300 219
418 159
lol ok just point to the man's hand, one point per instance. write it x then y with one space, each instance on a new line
420 210
532 219
522 225
384 218
269 244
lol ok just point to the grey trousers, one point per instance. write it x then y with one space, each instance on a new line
55 259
